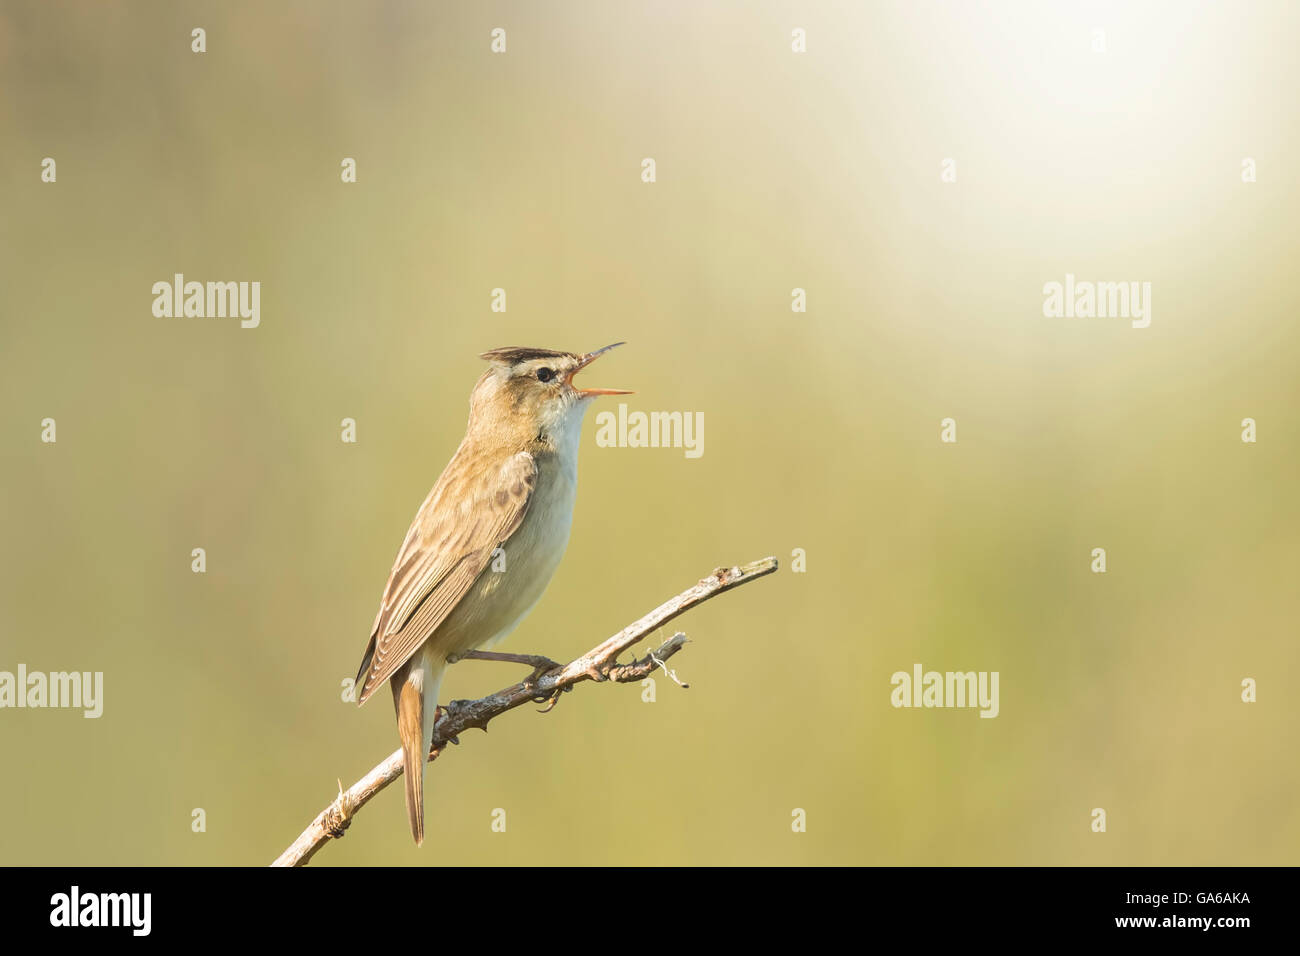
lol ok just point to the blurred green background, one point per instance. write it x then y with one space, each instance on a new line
775 170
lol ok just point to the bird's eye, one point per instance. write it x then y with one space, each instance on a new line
545 374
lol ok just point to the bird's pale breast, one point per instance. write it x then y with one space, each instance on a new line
514 581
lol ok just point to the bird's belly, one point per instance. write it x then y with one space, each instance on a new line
515 579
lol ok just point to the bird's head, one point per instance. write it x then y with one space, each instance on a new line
533 389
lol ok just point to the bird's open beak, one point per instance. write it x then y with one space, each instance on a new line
587 360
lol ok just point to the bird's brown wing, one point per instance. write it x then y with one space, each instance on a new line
450 542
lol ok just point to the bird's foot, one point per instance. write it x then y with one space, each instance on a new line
550 700
444 713
541 666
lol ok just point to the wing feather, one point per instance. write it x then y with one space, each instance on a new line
450 542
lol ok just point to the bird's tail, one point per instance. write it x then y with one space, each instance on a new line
415 695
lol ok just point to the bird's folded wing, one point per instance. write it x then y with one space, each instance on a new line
450 543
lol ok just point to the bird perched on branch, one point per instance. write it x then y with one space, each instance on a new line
510 486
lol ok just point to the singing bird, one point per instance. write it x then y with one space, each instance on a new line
510 485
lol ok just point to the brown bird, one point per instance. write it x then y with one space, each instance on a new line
511 486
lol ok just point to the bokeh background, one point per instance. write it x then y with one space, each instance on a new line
775 171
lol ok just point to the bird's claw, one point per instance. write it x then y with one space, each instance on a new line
543 666
552 699
446 713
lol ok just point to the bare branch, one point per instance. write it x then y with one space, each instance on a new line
598 664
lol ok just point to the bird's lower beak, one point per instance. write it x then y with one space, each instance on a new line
587 360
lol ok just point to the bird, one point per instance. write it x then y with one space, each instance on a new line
484 545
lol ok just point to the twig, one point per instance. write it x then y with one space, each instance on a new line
598 664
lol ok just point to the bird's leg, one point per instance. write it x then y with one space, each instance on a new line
539 664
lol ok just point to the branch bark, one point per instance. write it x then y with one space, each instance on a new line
598 664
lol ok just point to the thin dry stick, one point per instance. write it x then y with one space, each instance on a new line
598 664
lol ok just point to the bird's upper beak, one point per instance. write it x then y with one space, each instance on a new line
583 363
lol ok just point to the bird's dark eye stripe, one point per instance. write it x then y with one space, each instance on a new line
545 374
